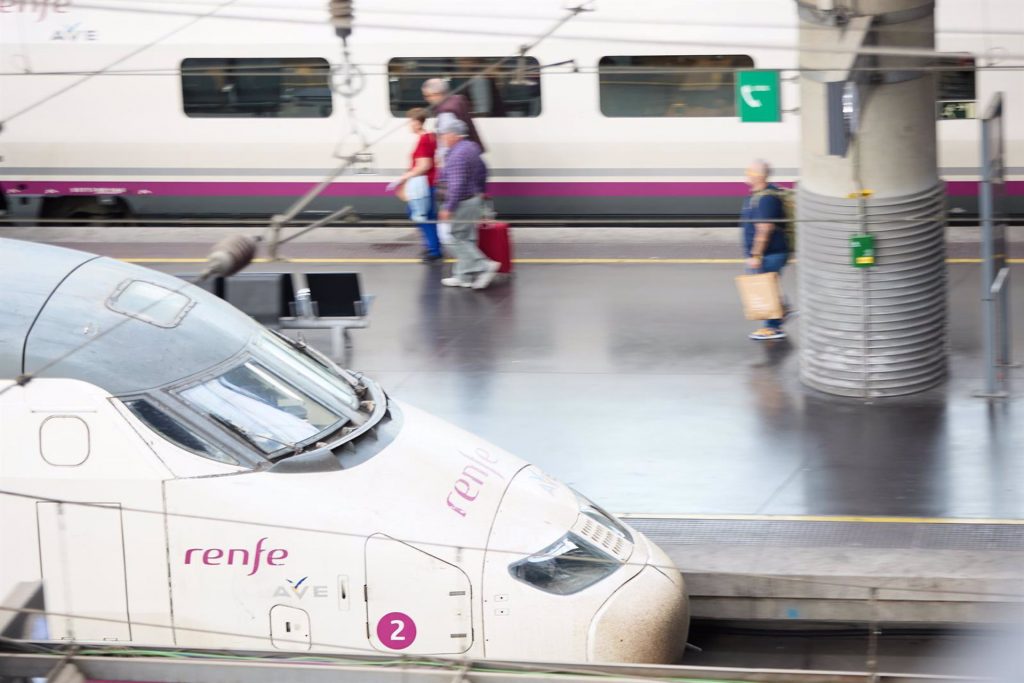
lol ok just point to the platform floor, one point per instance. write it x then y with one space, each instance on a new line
635 383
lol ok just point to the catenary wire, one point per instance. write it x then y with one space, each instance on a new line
472 12
892 51
262 638
518 553
452 662
281 221
546 71
119 60
29 376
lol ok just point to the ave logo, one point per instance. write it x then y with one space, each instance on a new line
299 589
74 33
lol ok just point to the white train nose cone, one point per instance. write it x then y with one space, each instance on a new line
646 620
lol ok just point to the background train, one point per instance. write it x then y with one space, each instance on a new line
177 475
235 108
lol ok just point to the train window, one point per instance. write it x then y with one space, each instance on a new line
256 87
955 82
261 407
669 85
172 430
511 89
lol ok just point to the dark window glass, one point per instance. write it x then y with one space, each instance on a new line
264 87
670 85
172 430
512 89
955 84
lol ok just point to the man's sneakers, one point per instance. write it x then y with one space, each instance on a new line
481 281
766 333
486 275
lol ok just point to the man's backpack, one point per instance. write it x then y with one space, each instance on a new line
787 197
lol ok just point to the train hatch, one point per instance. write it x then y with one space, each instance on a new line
289 628
83 567
415 603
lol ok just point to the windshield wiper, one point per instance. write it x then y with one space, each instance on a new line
355 381
250 438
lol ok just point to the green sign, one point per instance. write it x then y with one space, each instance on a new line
862 251
757 96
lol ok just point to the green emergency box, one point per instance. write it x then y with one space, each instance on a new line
862 251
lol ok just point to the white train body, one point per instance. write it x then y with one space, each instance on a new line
123 139
207 512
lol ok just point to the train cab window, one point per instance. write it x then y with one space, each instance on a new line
669 85
256 87
955 83
262 407
172 430
509 90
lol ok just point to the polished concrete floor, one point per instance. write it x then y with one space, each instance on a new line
636 384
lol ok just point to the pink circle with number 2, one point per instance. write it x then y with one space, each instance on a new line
396 630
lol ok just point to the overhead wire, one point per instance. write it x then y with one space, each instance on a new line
280 221
347 652
55 361
139 50
383 70
472 12
28 376
892 51
456 547
349 656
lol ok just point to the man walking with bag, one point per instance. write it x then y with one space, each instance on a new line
764 236
465 176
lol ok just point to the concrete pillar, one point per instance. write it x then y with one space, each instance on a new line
880 331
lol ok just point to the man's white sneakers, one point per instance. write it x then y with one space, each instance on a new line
455 282
486 276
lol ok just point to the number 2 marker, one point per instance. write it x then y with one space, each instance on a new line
396 630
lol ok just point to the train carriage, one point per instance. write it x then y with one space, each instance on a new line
236 109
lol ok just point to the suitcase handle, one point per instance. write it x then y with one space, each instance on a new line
489 213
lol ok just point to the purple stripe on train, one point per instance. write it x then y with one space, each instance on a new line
956 188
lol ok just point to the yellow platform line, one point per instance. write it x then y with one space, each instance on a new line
859 519
522 261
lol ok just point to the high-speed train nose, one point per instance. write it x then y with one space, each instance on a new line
646 619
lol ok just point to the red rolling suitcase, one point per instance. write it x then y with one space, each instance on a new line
494 241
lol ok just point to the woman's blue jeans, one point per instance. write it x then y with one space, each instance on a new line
423 212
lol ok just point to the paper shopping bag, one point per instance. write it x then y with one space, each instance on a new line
761 296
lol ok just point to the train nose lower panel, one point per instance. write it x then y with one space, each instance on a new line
646 620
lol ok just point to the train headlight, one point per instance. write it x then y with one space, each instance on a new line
597 513
567 566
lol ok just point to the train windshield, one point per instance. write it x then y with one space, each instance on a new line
276 399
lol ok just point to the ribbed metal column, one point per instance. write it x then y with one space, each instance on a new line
880 331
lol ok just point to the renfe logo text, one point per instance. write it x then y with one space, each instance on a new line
39 7
468 486
237 556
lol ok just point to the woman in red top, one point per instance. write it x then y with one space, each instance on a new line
416 186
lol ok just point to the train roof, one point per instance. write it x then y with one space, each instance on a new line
121 327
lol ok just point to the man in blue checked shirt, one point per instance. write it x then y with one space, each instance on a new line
464 176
